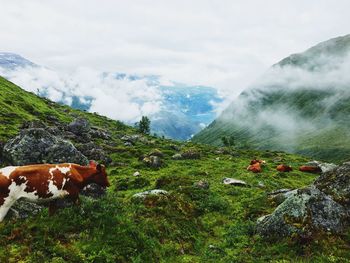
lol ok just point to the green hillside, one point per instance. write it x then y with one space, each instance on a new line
301 105
191 224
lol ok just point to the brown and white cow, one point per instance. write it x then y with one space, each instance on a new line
47 182
255 166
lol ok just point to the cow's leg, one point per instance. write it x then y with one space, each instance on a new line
53 207
6 203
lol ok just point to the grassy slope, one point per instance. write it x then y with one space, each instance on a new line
191 225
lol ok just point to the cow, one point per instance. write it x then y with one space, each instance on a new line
255 166
47 183
310 169
284 168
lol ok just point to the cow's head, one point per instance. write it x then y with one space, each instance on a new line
100 177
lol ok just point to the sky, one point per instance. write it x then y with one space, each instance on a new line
225 44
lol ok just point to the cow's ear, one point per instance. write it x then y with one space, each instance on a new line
92 164
99 167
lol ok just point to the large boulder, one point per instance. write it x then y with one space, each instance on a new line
322 207
37 145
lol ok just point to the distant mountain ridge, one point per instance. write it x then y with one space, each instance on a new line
301 105
177 110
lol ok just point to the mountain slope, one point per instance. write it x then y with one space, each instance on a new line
194 223
301 105
176 110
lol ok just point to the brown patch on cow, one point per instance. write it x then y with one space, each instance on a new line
284 168
4 188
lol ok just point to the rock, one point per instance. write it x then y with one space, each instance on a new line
232 181
336 183
177 156
302 213
201 184
261 184
94 152
191 154
279 196
36 145
131 138
156 152
322 207
158 192
79 126
128 144
99 133
136 173
23 209
93 190
153 161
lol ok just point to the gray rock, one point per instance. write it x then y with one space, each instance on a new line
232 181
23 209
191 154
136 173
153 161
302 213
322 207
336 183
37 145
99 133
79 126
131 138
158 192
177 156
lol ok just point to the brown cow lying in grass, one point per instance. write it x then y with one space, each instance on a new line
255 166
47 182
284 168
310 169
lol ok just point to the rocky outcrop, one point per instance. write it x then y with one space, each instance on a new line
36 145
322 207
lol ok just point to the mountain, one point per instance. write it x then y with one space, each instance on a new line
176 110
199 219
300 105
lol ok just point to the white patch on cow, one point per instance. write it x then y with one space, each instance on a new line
7 171
56 193
63 170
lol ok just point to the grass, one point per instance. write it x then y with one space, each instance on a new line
189 225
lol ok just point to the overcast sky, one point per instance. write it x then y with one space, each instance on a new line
224 44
